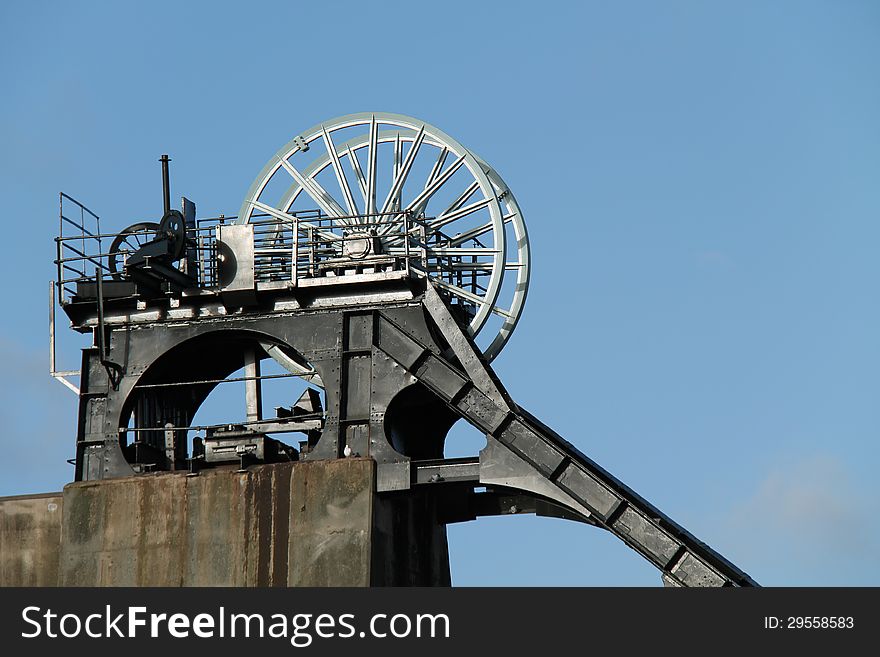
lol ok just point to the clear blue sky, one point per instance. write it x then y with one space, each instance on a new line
700 182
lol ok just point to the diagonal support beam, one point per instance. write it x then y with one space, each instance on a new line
523 452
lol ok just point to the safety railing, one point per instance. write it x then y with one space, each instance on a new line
307 245
78 247
315 245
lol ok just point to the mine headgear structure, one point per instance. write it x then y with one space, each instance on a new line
383 266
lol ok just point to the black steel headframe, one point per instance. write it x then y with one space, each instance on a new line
397 370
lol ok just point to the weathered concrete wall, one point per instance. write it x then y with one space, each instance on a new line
222 528
311 523
30 539
331 523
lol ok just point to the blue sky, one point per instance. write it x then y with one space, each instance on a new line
700 182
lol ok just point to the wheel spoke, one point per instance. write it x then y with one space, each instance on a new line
438 166
461 200
429 191
400 178
286 218
371 167
500 311
460 291
476 232
396 165
459 251
448 218
127 242
463 265
313 188
470 296
340 175
358 172
475 266
445 252
435 171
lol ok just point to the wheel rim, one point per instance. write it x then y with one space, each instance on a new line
518 261
127 242
425 171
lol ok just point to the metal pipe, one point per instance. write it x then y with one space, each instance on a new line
166 186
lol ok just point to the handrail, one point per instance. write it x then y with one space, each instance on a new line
288 246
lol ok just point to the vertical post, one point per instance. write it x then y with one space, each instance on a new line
406 238
52 328
312 259
98 233
201 257
59 248
252 386
423 238
294 250
99 330
82 234
166 186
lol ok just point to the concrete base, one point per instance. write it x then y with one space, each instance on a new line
30 539
311 523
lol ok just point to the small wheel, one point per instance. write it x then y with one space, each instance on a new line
173 228
127 242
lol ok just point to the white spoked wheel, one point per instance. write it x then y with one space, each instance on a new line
512 297
371 169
